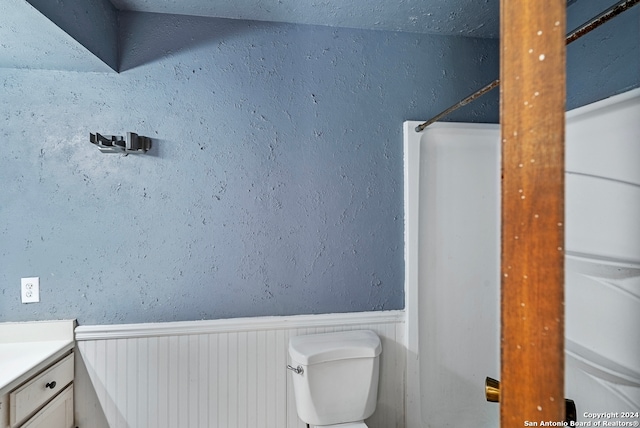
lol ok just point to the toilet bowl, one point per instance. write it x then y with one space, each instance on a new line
335 377
360 424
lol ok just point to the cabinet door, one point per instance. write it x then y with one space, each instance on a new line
26 399
57 414
4 411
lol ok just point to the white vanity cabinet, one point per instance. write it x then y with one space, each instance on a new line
36 377
46 399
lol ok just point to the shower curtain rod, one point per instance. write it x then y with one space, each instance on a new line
585 28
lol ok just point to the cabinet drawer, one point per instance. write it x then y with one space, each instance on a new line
26 399
57 414
4 411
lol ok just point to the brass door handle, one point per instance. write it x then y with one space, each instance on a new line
492 390
492 394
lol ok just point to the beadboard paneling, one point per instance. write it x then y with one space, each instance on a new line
226 373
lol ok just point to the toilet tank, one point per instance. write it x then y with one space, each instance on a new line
335 377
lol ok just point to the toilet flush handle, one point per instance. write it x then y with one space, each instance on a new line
297 370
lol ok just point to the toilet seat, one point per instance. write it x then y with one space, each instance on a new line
360 424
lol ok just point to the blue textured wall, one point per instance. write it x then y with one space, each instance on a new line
94 24
606 61
275 182
274 185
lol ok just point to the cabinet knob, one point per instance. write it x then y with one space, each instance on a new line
51 385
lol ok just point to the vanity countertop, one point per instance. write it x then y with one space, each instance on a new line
29 346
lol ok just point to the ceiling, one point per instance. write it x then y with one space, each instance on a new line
473 18
81 35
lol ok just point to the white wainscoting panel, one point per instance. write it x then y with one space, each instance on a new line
217 374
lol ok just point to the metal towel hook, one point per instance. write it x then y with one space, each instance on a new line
297 370
133 143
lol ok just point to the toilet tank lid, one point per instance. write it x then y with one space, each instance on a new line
319 348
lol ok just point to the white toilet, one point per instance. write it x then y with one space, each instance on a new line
335 377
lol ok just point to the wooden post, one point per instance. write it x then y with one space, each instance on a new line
532 110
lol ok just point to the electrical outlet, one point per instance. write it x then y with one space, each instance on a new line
30 290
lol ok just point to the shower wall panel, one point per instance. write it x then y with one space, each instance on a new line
453 288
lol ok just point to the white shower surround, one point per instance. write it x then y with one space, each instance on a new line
450 352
